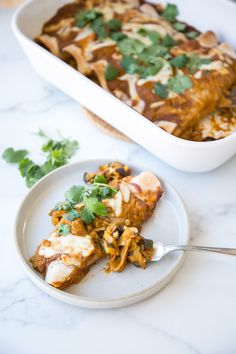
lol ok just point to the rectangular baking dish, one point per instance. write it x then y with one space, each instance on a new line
218 15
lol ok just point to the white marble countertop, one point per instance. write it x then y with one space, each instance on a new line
195 313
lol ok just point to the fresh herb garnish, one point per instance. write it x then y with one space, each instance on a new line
92 207
180 83
195 62
192 34
161 90
63 229
100 179
74 194
180 61
168 41
73 214
90 198
154 36
14 156
180 26
130 65
118 36
152 69
82 18
114 24
66 205
170 12
100 28
150 54
57 153
129 46
111 72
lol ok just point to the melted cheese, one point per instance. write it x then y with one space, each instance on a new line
70 244
58 272
147 181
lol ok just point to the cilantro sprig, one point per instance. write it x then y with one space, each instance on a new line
89 198
170 12
57 153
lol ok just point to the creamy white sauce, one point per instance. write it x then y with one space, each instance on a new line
94 46
215 65
162 76
70 244
115 203
147 181
137 103
83 34
134 27
58 272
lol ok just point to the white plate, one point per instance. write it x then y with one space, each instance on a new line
169 224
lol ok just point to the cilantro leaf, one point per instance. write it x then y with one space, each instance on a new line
87 216
100 179
14 156
195 62
154 36
63 206
180 61
111 72
24 166
82 18
63 229
161 90
180 83
118 36
192 34
179 26
114 24
72 215
129 46
100 28
149 55
130 65
75 194
92 207
168 41
30 171
151 69
170 12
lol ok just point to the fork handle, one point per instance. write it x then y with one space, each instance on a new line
230 251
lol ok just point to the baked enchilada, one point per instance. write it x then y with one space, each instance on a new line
101 219
162 67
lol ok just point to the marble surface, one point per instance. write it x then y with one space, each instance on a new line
194 314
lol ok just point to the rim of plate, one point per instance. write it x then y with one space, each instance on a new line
94 303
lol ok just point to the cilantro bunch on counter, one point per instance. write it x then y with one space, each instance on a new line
57 153
89 197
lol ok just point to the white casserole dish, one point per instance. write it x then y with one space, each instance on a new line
182 154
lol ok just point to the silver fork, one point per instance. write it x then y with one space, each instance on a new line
161 250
